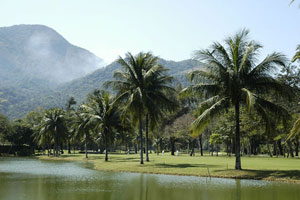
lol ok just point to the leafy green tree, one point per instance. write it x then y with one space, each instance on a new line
69 120
5 128
83 126
215 139
104 114
140 86
232 76
53 127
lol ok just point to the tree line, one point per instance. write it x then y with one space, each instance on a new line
235 103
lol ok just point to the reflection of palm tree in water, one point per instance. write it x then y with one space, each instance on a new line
238 189
144 188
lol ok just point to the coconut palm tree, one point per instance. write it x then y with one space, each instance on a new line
232 76
83 126
53 127
140 86
104 114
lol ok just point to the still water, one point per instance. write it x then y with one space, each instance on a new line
30 179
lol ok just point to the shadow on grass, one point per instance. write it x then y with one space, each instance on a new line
267 174
164 165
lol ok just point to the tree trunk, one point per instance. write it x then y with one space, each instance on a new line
297 148
147 140
69 146
269 150
291 151
201 145
141 137
105 141
237 137
280 147
85 145
172 141
48 146
274 149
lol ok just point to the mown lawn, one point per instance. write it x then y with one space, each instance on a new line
258 167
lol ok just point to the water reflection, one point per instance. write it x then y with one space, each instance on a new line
33 179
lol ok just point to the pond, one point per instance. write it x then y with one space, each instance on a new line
30 179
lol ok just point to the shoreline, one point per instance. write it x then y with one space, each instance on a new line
146 170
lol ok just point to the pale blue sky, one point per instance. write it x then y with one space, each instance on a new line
172 29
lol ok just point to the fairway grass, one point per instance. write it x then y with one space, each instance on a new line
260 168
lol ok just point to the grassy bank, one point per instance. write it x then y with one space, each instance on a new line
261 168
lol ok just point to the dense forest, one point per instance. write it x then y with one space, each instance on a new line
224 99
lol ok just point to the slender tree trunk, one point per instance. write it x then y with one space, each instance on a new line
201 145
141 137
147 140
172 141
280 147
69 146
85 145
48 146
157 147
274 149
297 148
269 150
237 137
106 153
291 149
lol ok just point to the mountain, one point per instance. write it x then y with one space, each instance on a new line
37 54
39 68
34 60
79 88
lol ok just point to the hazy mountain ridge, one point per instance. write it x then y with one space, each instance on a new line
36 70
39 53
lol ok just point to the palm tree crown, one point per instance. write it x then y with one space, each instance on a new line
141 86
232 76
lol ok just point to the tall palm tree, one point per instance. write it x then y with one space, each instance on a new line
233 76
104 115
83 126
297 55
141 85
53 126
70 116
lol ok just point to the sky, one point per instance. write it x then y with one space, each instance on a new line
171 29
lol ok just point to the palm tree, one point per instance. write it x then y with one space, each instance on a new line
69 116
104 115
53 127
141 86
83 126
297 55
231 77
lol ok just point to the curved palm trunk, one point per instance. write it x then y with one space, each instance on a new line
237 137
141 137
85 145
147 142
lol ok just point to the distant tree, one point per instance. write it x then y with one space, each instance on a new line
53 127
215 139
104 114
5 128
232 76
83 126
69 120
140 86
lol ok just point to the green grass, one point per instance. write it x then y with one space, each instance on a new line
279 169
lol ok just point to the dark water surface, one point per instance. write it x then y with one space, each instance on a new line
32 179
